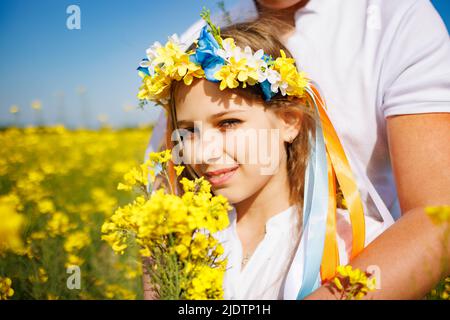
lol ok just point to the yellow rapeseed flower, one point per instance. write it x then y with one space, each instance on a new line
58 224
115 291
14 109
46 206
36 105
352 283
41 276
438 214
178 170
76 241
6 291
161 157
73 260
207 284
11 225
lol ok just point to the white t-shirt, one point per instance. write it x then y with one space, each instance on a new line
271 272
371 59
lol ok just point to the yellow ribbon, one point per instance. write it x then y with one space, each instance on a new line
330 259
346 181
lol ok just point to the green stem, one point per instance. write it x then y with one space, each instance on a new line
168 181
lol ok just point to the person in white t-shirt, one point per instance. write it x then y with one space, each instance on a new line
384 70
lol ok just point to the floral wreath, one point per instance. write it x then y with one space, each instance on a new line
217 60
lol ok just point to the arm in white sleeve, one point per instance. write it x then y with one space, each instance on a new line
416 69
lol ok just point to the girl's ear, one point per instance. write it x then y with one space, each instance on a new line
291 120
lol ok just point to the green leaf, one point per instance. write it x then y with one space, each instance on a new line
215 31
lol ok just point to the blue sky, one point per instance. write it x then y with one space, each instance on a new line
42 60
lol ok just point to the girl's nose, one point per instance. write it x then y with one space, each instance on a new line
210 147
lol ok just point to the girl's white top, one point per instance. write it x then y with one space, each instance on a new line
264 275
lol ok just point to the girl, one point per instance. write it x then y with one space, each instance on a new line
231 96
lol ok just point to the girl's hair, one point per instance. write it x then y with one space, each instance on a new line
261 34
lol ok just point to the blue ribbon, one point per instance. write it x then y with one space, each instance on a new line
315 211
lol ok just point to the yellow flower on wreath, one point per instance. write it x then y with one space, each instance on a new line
236 70
171 63
296 81
156 86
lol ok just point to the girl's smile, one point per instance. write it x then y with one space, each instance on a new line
222 176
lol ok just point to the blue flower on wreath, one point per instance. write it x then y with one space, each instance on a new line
206 54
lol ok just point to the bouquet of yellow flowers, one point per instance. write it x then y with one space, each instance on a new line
175 232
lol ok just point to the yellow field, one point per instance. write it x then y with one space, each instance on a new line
57 186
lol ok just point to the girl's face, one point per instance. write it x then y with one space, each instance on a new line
232 141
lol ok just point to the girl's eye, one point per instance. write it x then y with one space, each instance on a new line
192 132
229 123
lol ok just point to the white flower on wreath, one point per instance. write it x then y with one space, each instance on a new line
229 50
177 42
276 83
255 61
152 53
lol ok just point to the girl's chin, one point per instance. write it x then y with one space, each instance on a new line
233 195
277 5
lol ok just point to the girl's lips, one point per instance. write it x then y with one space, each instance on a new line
217 180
